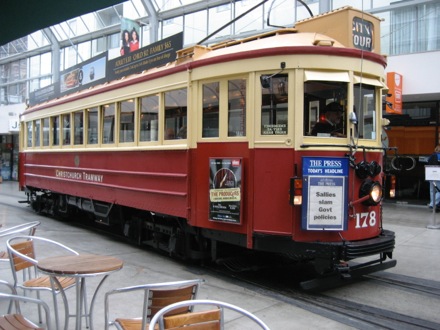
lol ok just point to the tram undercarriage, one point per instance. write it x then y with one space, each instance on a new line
171 235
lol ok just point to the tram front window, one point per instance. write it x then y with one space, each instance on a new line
274 104
325 108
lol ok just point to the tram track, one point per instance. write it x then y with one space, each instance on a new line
344 310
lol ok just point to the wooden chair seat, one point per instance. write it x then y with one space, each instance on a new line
44 282
210 319
17 322
131 324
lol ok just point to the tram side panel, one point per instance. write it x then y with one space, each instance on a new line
148 180
211 208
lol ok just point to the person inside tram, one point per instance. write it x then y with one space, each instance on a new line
330 126
434 159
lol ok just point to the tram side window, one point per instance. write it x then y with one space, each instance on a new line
66 129
274 100
149 118
319 97
37 132
78 128
365 109
237 107
29 127
92 125
55 127
175 114
108 132
126 121
211 109
46 132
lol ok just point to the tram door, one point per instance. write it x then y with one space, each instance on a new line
273 162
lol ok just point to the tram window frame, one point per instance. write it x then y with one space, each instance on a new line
55 131
273 121
37 133
108 124
367 106
175 114
92 123
317 95
66 132
45 132
211 109
29 133
149 106
127 121
78 128
235 109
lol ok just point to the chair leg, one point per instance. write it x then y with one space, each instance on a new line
40 318
86 311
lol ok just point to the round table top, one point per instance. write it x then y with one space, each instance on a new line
83 264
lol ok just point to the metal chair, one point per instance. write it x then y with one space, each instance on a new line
212 319
23 251
28 228
155 297
17 320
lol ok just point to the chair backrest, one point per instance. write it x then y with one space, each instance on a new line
19 321
159 295
24 250
212 319
28 228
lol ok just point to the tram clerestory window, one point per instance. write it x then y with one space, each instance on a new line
274 101
149 114
365 109
175 114
211 106
325 108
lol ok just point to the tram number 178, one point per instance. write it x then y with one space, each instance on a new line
366 219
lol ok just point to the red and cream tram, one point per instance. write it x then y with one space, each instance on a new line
215 149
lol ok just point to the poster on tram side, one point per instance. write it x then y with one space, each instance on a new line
225 195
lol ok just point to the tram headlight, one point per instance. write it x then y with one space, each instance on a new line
372 189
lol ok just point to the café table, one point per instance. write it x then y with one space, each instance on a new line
80 267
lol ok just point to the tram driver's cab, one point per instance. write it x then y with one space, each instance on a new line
326 105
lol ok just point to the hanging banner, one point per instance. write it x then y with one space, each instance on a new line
225 189
394 101
129 36
325 193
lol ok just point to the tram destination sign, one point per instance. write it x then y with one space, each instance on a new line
324 193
